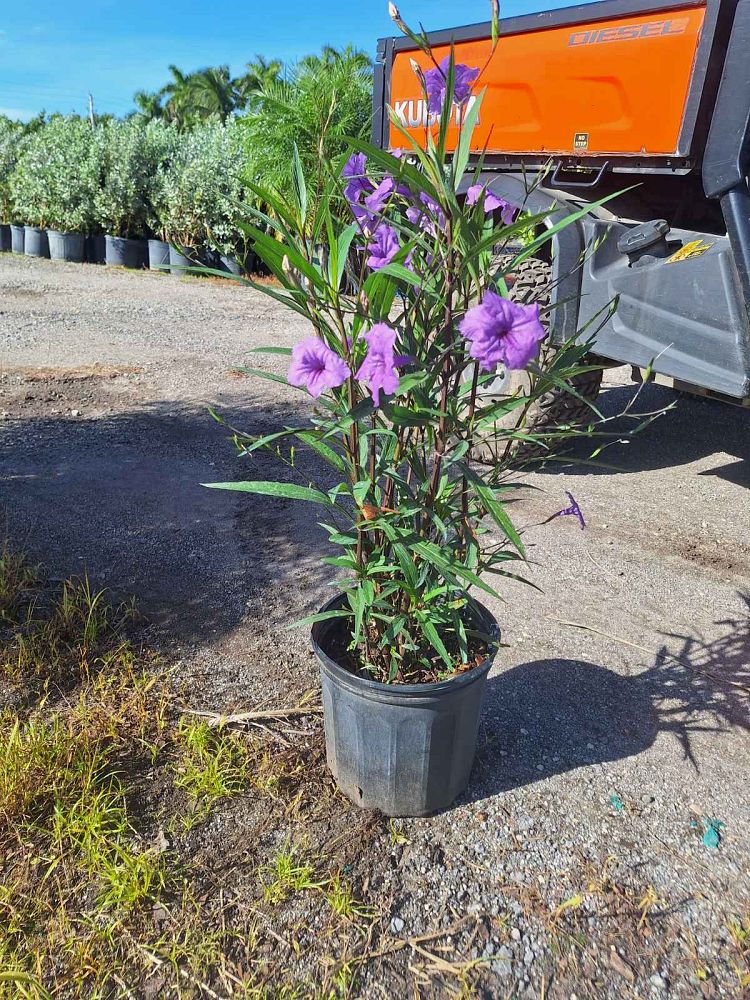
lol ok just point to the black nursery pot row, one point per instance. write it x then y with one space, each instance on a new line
113 250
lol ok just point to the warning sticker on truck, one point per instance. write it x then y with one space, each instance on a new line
693 249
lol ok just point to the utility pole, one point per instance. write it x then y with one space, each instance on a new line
91 111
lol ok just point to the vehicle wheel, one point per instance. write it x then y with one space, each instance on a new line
556 408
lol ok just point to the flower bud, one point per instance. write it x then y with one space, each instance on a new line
396 18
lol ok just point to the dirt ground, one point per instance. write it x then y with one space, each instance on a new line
615 728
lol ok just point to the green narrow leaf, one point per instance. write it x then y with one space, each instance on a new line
437 643
494 508
286 491
300 188
463 149
322 616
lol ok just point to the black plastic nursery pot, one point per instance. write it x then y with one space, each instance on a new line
5 238
231 264
17 238
158 255
122 252
179 260
405 749
35 242
95 248
66 246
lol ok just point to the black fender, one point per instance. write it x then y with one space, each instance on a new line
568 244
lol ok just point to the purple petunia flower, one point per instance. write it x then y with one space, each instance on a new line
574 510
316 367
383 247
377 201
427 214
354 172
436 82
491 203
501 331
378 370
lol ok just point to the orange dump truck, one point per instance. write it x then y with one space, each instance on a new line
623 94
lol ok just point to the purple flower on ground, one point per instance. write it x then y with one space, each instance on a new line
426 214
383 247
436 82
378 370
502 332
491 203
316 367
573 510
354 172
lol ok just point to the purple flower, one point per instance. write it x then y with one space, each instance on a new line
574 510
316 367
383 247
358 183
436 82
377 201
378 370
491 203
502 332
426 214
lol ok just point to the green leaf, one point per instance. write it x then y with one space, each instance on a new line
494 508
321 616
300 188
461 157
286 351
432 635
286 491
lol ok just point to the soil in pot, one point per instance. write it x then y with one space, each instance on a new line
404 749
5 239
17 238
95 248
65 246
122 252
35 243
158 255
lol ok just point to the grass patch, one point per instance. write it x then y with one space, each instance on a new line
102 893
212 766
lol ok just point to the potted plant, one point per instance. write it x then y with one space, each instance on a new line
224 232
30 195
400 369
70 176
193 187
121 201
164 142
10 134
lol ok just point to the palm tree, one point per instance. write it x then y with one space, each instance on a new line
177 105
149 105
213 92
261 73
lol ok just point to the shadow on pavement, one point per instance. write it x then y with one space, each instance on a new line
694 429
552 716
119 498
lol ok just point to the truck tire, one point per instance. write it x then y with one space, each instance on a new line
532 283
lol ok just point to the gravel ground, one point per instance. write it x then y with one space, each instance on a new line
616 721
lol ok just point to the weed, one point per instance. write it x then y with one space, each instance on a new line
396 832
648 902
212 766
288 873
17 577
342 901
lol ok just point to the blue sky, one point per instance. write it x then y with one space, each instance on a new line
53 53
